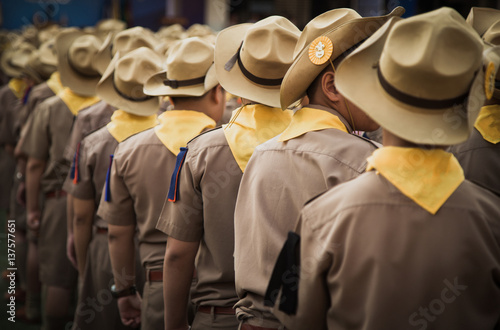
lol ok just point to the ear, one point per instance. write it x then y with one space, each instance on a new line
216 94
328 86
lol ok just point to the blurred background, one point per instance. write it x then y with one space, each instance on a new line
218 14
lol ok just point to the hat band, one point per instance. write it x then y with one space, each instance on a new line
80 72
258 80
183 83
418 101
126 97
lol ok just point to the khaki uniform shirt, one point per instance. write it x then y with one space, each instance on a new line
10 107
47 138
371 258
279 179
208 186
93 163
140 177
480 160
37 94
88 120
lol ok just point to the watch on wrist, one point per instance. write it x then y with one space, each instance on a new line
130 291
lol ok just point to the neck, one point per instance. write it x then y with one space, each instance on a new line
493 101
391 140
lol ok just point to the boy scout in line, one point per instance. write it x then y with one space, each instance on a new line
46 169
140 176
99 114
315 152
43 70
120 87
250 61
479 156
410 243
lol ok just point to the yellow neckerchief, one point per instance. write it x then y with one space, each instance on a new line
54 82
252 125
178 127
310 119
428 177
18 87
76 102
124 124
488 123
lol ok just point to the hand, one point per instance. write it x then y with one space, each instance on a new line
33 221
70 250
130 310
21 194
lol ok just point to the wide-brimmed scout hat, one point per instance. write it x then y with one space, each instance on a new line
15 58
48 33
188 70
420 78
112 25
324 39
122 84
481 18
174 31
48 52
252 59
124 42
198 30
75 56
36 69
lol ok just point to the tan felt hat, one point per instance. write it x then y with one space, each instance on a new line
48 53
49 32
75 56
173 31
252 59
124 42
188 70
15 59
110 25
199 30
38 70
481 18
420 78
332 33
122 84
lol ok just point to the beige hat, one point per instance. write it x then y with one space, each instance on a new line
173 31
419 78
481 18
333 32
252 59
122 84
15 59
75 55
38 70
48 53
199 30
110 25
123 42
188 70
48 33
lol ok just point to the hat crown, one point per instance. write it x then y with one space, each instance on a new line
432 56
133 38
189 59
267 47
133 69
81 54
322 24
481 18
111 25
492 35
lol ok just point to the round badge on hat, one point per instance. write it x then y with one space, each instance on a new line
489 80
320 50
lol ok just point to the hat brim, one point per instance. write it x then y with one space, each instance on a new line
78 83
234 81
302 72
357 80
104 55
155 86
107 92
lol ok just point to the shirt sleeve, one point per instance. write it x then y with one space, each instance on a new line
83 165
313 291
37 139
119 208
183 219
